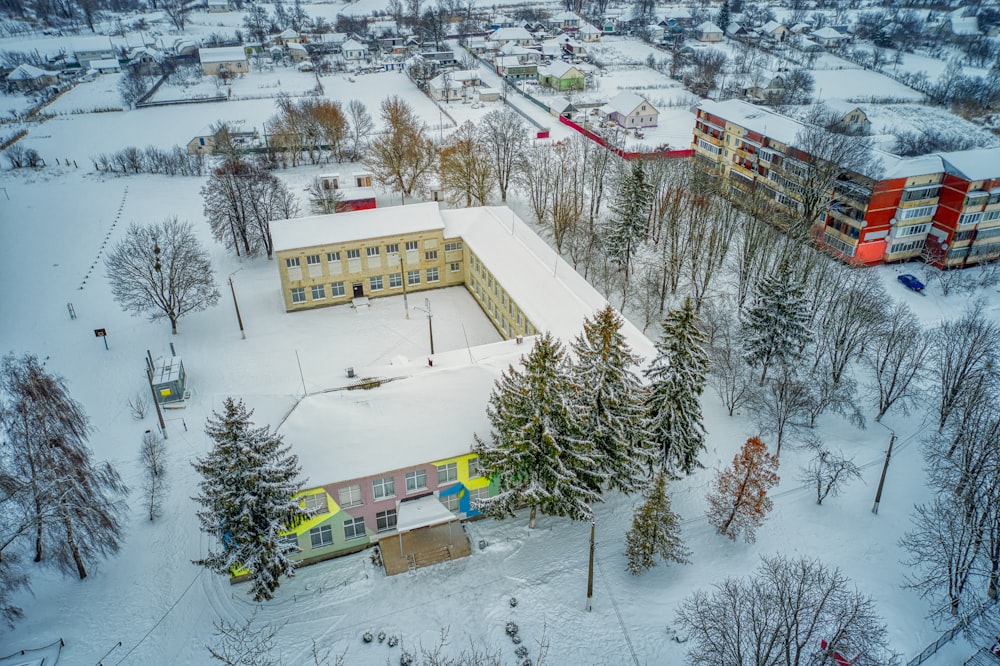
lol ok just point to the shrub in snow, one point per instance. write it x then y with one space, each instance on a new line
513 602
381 636
393 641
405 659
521 652
367 637
516 639
511 628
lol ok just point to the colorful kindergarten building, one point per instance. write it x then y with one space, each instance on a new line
391 462
942 207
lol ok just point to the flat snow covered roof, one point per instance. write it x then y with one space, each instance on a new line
301 232
976 164
222 54
422 512
431 415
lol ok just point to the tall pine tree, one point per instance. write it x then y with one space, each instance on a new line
723 19
739 502
536 452
655 531
248 480
677 378
630 217
608 401
776 326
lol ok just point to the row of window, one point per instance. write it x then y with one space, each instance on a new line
916 229
906 247
372 251
375 283
385 487
354 528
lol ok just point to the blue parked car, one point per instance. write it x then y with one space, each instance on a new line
911 282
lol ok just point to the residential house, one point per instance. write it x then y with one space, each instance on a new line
224 60
799 28
773 31
589 33
829 37
453 85
205 141
501 21
519 36
528 54
630 111
396 490
960 28
855 121
734 30
478 45
286 37
560 106
515 67
219 6
354 52
708 32
944 207
28 77
574 48
678 17
561 76
146 60
552 48
109 66
565 21
352 198
297 52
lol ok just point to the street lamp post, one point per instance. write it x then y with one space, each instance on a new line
236 304
885 468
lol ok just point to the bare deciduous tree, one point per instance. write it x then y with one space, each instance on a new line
505 138
152 456
361 125
323 200
466 172
963 350
403 156
828 472
895 357
163 270
794 611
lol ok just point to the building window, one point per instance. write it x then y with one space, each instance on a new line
315 504
384 487
392 248
455 267
372 251
478 494
350 496
969 218
354 528
412 277
354 254
447 473
375 283
318 292
906 247
922 193
385 520
332 256
992 215
289 542
451 502
395 280
293 262
313 260
412 246
432 275
963 235
337 289
914 213
320 537
474 468
416 480
431 255
709 147
912 231
452 246
299 295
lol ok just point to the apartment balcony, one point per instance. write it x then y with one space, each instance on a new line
847 214
701 134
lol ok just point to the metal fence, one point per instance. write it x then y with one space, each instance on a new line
948 635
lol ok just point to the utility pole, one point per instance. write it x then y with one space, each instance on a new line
236 304
885 468
402 279
590 568
156 401
430 322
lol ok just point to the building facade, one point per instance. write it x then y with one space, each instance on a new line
944 208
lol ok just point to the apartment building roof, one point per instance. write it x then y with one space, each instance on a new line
976 164
317 230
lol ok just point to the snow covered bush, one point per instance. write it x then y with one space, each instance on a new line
367 637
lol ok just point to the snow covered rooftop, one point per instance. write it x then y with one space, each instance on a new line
429 416
26 72
422 512
558 69
626 102
976 164
508 34
828 33
222 54
708 26
340 227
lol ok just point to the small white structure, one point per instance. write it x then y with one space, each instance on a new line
519 36
106 66
224 59
589 33
354 51
631 111
708 32
828 37
453 85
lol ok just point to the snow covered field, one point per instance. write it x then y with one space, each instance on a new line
53 229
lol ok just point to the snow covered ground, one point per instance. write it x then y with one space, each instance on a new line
54 229
161 607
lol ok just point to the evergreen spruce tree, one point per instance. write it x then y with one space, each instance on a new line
724 15
608 398
536 452
776 326
677 378
248 480
739 502
655 531
630 216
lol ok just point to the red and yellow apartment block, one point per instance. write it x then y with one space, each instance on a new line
944 207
